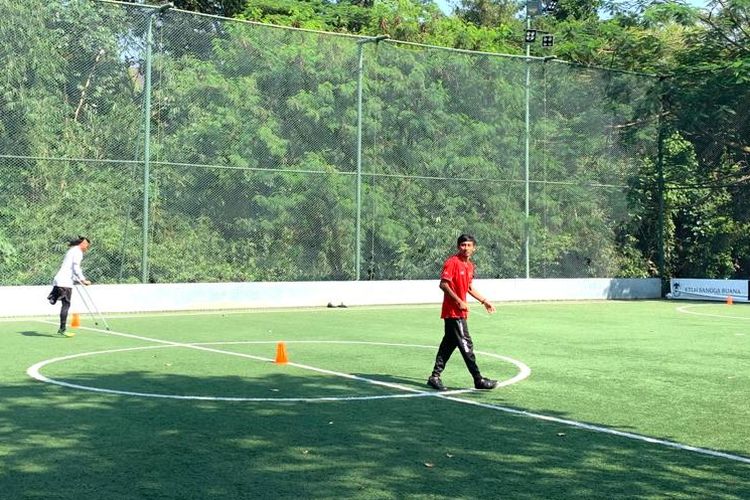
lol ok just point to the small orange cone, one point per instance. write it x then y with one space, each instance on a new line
281 358
730 300
75 322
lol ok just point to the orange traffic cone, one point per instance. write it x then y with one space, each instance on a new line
75 321
730 300
281 358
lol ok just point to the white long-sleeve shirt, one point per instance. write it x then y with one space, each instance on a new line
70 270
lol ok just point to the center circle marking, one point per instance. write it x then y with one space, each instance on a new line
35 373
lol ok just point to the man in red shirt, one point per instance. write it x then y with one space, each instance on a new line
455 282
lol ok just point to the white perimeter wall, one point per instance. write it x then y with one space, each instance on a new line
31 300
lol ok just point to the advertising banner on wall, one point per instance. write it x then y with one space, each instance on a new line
700 289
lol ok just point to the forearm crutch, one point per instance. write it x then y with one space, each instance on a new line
90 305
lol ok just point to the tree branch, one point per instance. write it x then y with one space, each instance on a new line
715 27
88 83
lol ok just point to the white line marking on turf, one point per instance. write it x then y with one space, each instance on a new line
604 430
523 370
686 309
273 310
34 371
444 395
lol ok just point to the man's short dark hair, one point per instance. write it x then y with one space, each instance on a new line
466 237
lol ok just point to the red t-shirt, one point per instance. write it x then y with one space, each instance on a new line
459 274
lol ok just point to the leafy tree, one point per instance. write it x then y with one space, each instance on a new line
487 13
577 9
711 88
226 8
253 139
65 77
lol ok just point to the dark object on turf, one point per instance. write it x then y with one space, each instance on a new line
330 304
485 383
436 384
342 305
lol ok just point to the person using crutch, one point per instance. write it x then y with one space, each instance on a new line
70 273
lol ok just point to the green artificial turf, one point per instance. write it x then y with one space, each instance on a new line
350 415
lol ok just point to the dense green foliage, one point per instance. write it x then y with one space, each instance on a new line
706 58
254 140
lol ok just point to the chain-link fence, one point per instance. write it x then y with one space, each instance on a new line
196 149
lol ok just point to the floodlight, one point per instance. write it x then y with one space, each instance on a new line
530 36
533 7
548 40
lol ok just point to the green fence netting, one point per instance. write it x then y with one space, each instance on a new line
273 154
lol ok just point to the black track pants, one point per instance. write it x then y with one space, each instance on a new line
456 336
64 312
62 294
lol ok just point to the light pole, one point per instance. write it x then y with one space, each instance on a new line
147 136
533 8
527 152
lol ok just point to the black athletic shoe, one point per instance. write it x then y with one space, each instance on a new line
52 299
485 383
436 384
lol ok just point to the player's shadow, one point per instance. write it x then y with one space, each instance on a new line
34 333
417 383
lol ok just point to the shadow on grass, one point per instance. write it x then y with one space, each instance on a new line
58 442
34 333
413 382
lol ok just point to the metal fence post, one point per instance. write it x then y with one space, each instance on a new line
147 137
358 222
660 181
